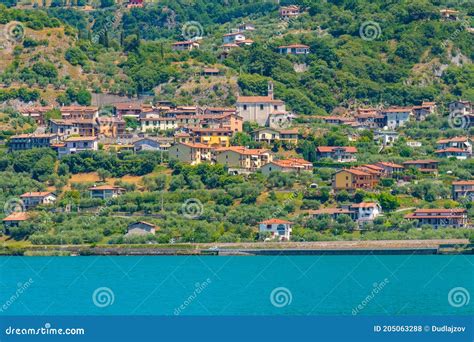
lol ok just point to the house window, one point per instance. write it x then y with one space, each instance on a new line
275 107
245 107
261 107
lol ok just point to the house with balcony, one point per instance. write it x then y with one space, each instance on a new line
105 191
111 126
463 189
191 153
389 168
242 158
449 14
289 12
270 136
280 229
461 107
230 121
424 110
386 137
233 38
439 218
294 49
79 112
33 199
187 45
369 118
36 113
212 137
74 145
458 147
152 144
340 154
33 140
365 211
353 179
424 165
287 165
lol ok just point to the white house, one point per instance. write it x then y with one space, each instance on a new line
386 138
294 49
32 199
74 145
365 211
397 117
278 228
233 37
105 191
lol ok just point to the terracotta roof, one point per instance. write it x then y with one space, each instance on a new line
242 150
355 172
364 205
276 221
452 149
257 99
78 109
72 139
397 110
455 139
348 149
230 45
35 194
33 135
373 167
421 161
40 109
392 165
16 216
293 162
469 182
434 211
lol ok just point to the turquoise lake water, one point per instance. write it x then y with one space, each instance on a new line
273 285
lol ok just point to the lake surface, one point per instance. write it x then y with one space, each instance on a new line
273 285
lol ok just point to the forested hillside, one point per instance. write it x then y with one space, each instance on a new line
393 52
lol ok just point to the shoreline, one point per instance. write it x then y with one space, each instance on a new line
374 247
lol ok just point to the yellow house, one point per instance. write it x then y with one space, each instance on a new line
243 158
270 135
353 179
213 137
190 153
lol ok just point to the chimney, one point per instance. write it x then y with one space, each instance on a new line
270 89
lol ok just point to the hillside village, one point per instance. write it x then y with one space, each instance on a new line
254 167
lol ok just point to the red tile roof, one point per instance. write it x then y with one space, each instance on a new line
468 182
348 149
275 221
16 216
36 194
